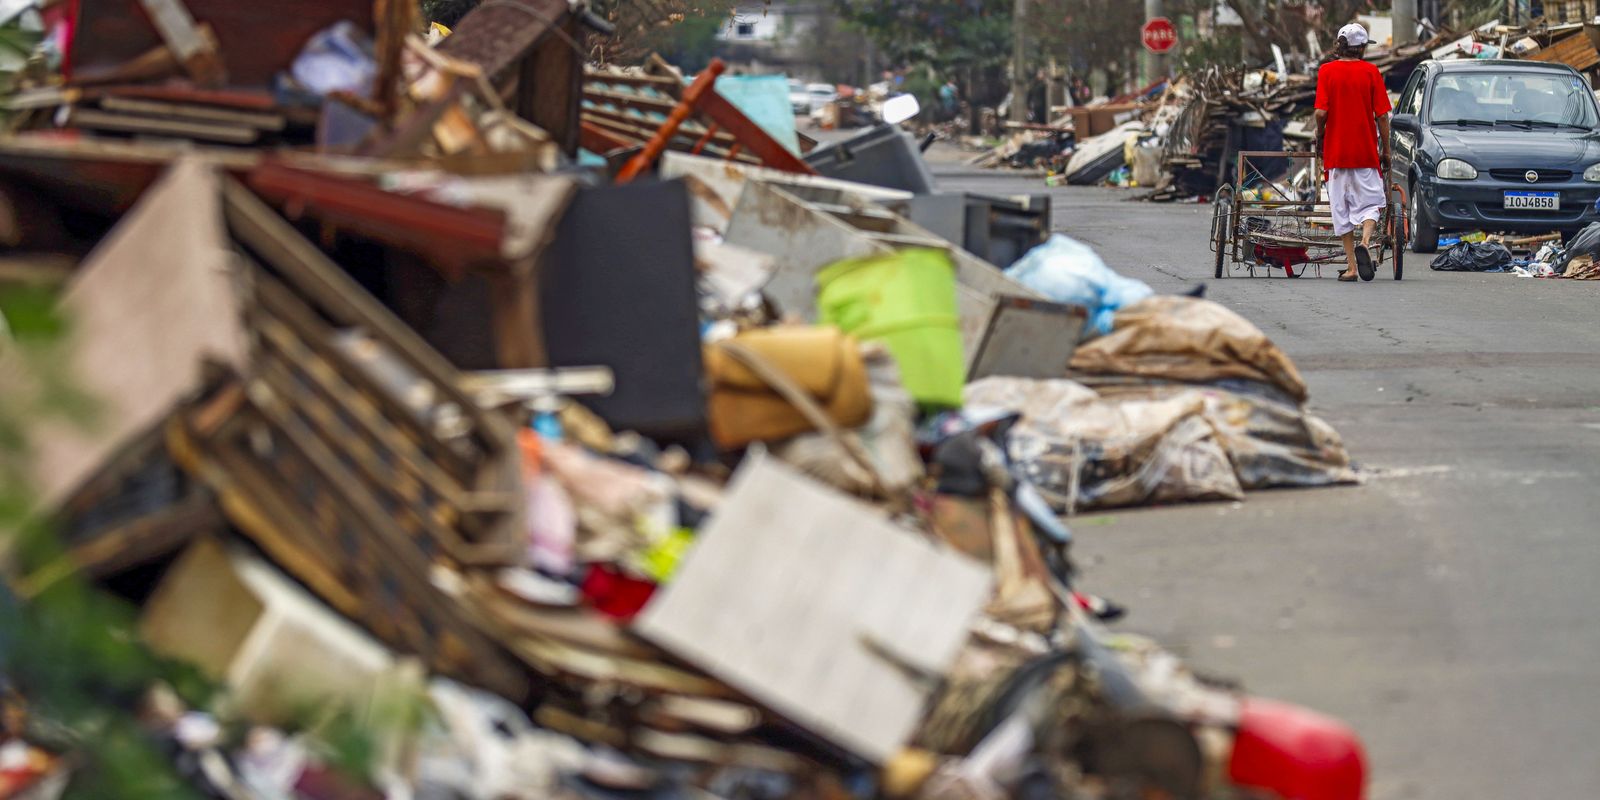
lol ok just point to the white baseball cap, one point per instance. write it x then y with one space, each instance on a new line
1353 34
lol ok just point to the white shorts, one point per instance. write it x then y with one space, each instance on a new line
1356 196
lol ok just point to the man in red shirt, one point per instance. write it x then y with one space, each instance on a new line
1352 118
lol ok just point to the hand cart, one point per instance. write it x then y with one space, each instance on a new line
1287 224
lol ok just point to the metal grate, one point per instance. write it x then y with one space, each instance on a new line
1521 175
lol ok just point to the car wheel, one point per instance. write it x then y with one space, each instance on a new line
1424 235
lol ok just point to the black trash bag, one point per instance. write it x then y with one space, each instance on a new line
1473 257
1586 243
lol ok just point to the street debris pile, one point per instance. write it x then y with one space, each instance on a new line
1182 138
438 464
1542 256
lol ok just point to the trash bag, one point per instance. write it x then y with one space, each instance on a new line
1192 340
1084 451
1272 440
1473 257
1586 243
336 59
1068 271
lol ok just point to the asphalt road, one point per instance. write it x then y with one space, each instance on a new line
1449 608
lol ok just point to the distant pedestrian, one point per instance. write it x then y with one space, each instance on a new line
1081 93
1350 99
949 99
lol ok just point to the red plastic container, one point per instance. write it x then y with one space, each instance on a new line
1297 754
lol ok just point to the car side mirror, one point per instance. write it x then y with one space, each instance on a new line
1405 122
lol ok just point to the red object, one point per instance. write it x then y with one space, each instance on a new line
1296 753
61 24
454 238
1158 34
1353 95
1281 256
615 594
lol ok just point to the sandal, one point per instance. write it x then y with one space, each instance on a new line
1364 263
1345 277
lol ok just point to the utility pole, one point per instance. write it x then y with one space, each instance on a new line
1155 63
1019 70
1405 22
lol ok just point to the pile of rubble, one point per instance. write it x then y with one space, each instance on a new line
464 430
1183 141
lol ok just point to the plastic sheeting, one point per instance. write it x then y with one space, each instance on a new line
1188 339
1272 441
1084 452
1069 271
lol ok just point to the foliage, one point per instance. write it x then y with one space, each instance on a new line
687 27
949 36
690 44
70 650
447 12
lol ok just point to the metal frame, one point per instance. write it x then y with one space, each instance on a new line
1236 242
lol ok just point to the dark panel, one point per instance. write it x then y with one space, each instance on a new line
619 290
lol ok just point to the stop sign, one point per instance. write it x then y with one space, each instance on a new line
1159 35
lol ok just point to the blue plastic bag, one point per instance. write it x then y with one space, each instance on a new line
1069 271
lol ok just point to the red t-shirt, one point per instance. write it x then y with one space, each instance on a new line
1353 95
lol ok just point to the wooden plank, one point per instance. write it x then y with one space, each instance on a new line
194 45
337 294
280 302
128 123
403 561
224 116
550 85
147 538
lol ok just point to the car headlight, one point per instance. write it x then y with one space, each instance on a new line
1454 169
1592 174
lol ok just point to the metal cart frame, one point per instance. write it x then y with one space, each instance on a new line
1286 232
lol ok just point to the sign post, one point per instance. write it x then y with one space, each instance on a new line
1159 36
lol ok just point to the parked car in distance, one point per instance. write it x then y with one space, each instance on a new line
819 95
799 98
1496 146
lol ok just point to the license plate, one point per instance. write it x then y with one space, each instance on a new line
1533 201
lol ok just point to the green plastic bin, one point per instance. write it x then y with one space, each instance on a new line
907 300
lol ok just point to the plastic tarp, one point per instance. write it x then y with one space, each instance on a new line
1272 441
1192 340
1069 271
765 100
1473 257
1086 452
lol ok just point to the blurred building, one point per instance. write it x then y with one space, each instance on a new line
802 38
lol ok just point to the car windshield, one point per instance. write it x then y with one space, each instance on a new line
1515 99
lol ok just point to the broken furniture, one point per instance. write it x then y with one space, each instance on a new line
656 113
329 434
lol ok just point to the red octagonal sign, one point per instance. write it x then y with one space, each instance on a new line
1159 35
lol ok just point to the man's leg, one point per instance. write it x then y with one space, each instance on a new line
1349 242
1367 227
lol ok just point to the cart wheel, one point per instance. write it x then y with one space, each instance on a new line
1399 230
1221 224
